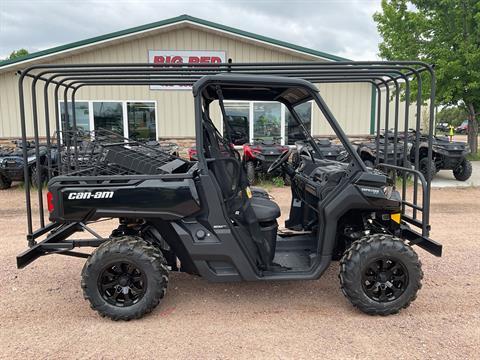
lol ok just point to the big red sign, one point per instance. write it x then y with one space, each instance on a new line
183 57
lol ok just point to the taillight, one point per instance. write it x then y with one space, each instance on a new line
50 204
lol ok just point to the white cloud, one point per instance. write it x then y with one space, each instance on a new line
343 28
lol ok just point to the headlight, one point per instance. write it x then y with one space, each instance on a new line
387 190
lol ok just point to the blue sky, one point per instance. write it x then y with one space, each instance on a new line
340 27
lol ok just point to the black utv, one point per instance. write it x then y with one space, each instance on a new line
202 217
446 155
12 164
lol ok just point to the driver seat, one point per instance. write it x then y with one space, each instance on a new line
265 209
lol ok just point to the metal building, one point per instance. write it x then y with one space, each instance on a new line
167 113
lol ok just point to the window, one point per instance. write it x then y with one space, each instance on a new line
141 120
293 132
267 119
248 120
237 124
82 117
108 116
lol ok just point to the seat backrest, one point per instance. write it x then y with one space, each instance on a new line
233 182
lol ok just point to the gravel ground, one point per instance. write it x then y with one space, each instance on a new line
43 314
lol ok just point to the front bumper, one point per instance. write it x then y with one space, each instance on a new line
424 242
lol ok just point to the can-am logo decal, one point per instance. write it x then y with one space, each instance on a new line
89 195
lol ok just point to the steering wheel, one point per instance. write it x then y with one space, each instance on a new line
279 161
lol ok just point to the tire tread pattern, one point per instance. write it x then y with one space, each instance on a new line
143 251
352 261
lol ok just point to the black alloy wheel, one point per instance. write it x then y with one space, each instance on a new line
385 279
122 283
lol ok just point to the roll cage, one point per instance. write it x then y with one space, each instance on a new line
63 82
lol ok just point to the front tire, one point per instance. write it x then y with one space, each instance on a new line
380 274
125 278
424 164
463 171
250 172
5 183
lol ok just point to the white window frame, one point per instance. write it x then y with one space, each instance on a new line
283 116
91 119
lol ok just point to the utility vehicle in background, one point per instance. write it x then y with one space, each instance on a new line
259 155
446 155
384 149
328 150
12 164
462 128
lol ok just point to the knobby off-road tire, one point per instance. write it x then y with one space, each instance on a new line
463 171
250 172
5 183
381 292
424 164
125 278
34 177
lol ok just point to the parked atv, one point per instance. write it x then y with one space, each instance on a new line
259 155
12 164
368 152
446 155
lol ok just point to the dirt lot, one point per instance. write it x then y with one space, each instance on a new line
43 314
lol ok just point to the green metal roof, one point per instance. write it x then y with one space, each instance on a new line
172 21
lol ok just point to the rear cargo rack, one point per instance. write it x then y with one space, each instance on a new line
104 152
61 82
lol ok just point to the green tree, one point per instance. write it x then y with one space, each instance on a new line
442 32
453 115
18 53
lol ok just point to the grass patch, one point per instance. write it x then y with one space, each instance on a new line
474 157
269 182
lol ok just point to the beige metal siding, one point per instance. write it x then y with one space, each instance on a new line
350 103
412 114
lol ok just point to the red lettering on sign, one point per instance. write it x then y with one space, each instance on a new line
216 59
193 60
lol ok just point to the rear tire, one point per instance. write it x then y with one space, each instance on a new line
380 274
35 174
250 172
125 278
5 183
463 171
424 164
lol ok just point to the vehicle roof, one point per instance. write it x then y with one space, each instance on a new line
255 87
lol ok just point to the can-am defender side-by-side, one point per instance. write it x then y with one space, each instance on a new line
202 217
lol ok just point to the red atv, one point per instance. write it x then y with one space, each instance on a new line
259 155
